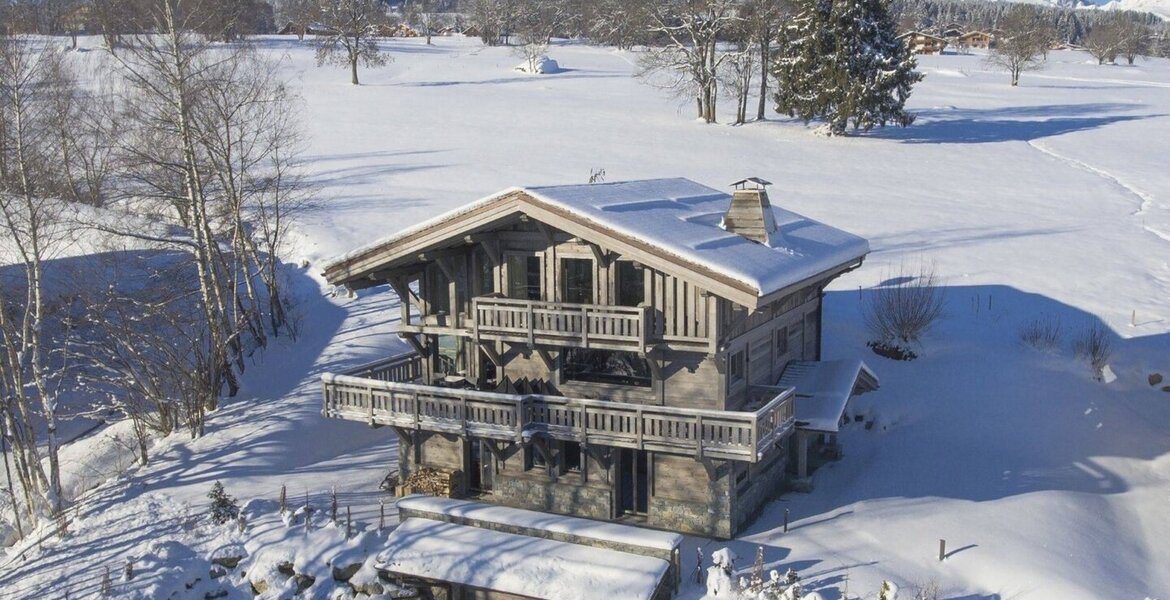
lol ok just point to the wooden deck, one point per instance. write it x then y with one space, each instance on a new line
561 324
726 435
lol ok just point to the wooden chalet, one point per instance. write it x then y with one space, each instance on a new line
609 351
976 39
923 43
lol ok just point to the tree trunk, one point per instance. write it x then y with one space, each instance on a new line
353 77
765 59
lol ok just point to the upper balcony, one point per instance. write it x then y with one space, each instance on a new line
372 395
560 324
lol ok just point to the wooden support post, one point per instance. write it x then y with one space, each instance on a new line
802 454
942 550
786 520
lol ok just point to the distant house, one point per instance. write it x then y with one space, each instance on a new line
952 32
609 351
976 39
923 43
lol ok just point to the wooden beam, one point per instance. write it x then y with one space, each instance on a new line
545 230
412 339
547 358
491 247
600 255
493 355
448 269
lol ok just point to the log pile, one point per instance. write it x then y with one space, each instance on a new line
431 482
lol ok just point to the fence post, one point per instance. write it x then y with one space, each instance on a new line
942 550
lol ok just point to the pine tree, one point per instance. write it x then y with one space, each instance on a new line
841 62
223 507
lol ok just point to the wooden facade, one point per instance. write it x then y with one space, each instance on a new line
976 39
567 370
923 43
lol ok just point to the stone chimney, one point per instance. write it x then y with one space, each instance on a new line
750 213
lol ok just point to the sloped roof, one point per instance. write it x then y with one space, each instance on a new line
675 219
823 389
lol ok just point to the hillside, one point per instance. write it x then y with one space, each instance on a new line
1046 200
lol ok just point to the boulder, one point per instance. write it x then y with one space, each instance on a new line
347 572
1155 379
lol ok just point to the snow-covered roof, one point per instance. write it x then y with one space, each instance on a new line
529 519
680 220
517 564
823 389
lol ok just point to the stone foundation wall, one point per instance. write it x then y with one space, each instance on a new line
535 492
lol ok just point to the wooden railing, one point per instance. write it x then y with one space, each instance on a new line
405 368
727 435
580 325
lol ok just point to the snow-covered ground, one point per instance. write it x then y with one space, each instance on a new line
1047 200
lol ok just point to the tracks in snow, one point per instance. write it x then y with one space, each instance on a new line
1145 201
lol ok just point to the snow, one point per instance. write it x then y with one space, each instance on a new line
516 564
528 519
1157 7
541 66
823 389
1046 199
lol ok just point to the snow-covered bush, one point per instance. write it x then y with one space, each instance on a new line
223 507
1042 333
904 307
1094 347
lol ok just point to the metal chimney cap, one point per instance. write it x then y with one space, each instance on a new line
743 183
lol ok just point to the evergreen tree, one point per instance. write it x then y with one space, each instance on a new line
223 507
842 62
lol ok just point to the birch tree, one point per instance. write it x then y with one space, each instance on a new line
36 226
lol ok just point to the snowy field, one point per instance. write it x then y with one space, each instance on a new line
1050 200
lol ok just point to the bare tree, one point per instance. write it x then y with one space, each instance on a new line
620 23
763 20
298 14
1024 42
736 76
349 39
36 225
1136 38
1104 40
692 29
424 16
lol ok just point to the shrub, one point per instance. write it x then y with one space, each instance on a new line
223 507
1094 347
904 308
1042 333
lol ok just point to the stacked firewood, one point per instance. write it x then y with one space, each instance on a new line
431 482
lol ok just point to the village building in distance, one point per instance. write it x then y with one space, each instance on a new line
645 351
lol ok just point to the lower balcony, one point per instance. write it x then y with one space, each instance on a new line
373 395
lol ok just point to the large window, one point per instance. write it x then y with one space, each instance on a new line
487 276
606 366
735 367
524 277
577 280
631 284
